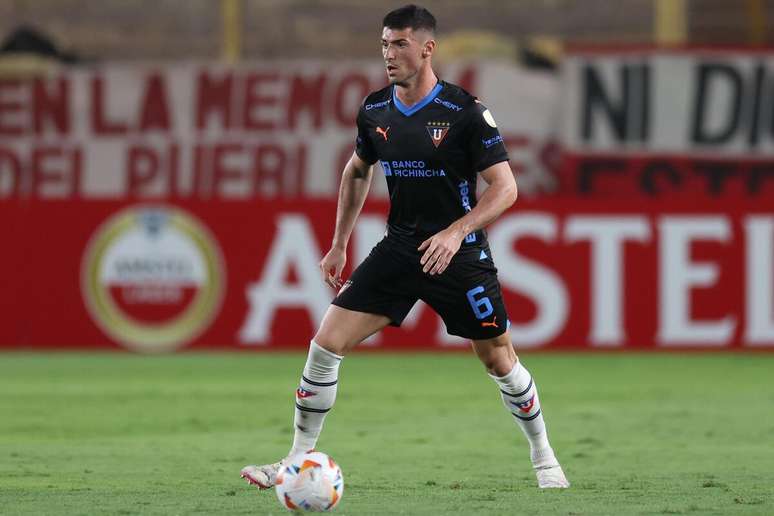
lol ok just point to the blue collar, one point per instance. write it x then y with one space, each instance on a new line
408 111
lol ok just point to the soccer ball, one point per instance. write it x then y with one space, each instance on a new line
310 481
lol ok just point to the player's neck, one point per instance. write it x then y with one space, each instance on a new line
416 90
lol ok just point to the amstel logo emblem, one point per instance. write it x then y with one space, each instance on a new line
152 278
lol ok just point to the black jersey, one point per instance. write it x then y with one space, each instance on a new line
431 154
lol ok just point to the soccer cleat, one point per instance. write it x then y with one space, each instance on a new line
262 476
551 477
547 470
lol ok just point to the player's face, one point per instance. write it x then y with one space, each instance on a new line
405 51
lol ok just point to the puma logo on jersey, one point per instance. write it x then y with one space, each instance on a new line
493 323
383 132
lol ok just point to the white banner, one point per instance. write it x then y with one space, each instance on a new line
707 103
199 130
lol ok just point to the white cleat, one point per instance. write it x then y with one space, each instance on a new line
547 470
551 477
262 476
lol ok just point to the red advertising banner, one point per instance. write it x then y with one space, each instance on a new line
243 275
186 206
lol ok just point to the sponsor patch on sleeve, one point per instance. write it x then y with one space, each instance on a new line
489 118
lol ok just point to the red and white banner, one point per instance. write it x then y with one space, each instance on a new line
187 206
215 274
190 131
677 123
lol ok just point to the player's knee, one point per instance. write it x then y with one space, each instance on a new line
499 366
333 342
498 360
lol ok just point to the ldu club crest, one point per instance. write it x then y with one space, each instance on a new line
437 131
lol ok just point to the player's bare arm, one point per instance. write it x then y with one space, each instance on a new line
355 183
499 195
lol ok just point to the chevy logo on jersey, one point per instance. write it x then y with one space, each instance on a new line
437 131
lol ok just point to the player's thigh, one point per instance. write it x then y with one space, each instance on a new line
469 299
497 354
342 329
378 293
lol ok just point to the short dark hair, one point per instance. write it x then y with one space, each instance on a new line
410 16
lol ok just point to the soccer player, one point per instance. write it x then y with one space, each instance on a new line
432 139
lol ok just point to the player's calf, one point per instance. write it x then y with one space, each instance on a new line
520 397
315 396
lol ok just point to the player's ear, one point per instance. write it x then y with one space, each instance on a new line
428 48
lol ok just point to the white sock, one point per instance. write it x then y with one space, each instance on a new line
315 397
520 396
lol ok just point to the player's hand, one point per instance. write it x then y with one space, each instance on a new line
331 266
439 250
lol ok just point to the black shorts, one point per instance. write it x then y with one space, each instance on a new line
466 295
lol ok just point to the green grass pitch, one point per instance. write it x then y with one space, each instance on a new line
414 434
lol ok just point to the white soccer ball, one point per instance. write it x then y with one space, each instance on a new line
310 481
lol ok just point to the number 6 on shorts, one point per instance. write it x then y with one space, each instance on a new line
481 307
